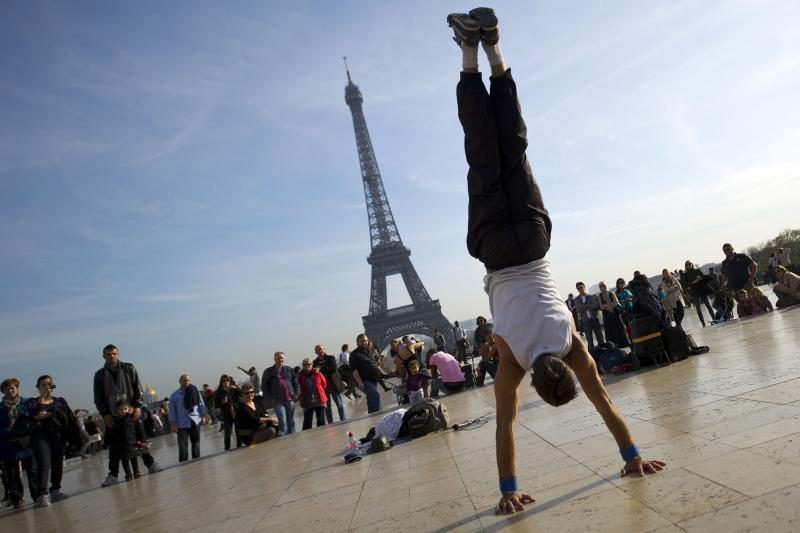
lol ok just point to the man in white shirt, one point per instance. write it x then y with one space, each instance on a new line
461 342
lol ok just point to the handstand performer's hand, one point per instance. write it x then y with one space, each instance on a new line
512 502
642 467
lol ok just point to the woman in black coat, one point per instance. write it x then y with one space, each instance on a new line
226 398
252 420
697 284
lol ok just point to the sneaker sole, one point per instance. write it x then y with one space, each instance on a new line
486 18
488 22
464 34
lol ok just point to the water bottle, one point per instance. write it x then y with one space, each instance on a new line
352 443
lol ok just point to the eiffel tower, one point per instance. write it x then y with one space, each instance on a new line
389 256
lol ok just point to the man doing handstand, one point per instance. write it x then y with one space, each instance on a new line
509 232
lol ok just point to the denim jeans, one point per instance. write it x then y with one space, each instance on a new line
592 326
184 436
284 410
487 367
373 397
335 397
49 452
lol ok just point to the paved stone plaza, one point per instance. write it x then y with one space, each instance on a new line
727 423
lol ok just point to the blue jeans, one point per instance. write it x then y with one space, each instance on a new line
373 397
487 367
284 410
589 326
337 399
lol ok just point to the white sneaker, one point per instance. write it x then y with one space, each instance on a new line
43 501
110 480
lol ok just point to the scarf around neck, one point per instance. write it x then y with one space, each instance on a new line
191 397
116 390
12 408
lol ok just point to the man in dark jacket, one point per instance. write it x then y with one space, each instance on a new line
327 366
119 381
366 373
280 387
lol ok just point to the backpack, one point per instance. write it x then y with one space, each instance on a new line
608 360
427 416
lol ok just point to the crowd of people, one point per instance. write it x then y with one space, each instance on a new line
606 316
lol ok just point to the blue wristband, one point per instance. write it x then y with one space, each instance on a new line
509 485
629 453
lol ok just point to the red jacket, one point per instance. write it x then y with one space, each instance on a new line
319 382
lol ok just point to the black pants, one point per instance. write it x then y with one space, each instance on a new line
508 223
456 386
228 426
308 416
12 477
49 452
119 453
678 314
184 436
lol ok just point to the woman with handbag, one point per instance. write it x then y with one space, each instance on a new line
312 394
612 317
55 427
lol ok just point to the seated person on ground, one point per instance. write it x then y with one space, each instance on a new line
449 368
758 302
743 304
489 359
252 421
787 289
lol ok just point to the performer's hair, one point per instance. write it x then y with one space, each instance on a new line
553 380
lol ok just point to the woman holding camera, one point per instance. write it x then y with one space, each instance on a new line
52 427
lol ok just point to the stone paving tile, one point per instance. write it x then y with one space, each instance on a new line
762 434
678 494
607 510
785 393
784 449
753 474
777 512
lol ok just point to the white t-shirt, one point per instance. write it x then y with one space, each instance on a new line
389 425
528 312
344 358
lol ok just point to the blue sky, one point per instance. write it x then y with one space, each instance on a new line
181 179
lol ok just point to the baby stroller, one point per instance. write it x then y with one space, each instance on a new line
399 389
723 306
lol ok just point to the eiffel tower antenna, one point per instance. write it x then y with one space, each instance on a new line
388 254
347 70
